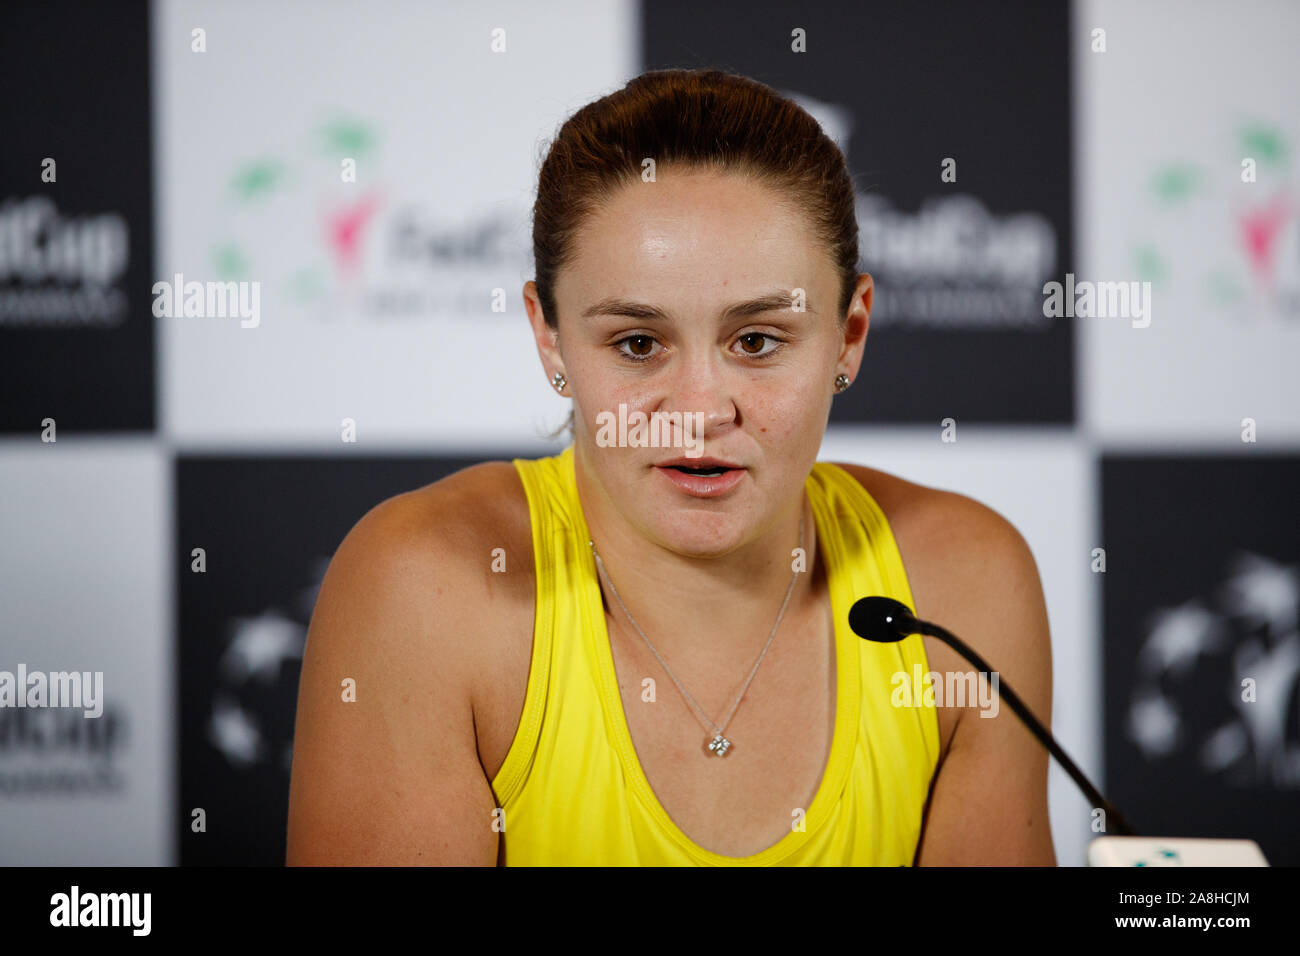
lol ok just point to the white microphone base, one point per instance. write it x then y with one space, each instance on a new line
1173 851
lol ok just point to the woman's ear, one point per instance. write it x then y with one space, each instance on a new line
856 325
546 336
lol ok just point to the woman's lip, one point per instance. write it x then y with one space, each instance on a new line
702 486
697 463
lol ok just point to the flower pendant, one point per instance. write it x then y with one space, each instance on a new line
719 746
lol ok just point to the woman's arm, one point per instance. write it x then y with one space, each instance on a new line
394 777
988 804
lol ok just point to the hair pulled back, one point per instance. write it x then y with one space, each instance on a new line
695 119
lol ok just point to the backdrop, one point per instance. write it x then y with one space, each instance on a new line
372 166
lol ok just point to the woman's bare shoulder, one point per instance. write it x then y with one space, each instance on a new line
952 545
459 511
443 536
466 506
928 517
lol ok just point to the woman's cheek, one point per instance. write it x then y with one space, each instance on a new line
795 415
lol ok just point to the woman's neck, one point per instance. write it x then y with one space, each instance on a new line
707 609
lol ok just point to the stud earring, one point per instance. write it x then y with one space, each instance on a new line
559 381
841 383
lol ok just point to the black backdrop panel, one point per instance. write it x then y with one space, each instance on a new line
986 84
76 255
1201 592
268 527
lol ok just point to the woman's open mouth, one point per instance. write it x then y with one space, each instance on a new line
715 470
708 482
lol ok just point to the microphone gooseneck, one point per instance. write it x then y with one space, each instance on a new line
886 621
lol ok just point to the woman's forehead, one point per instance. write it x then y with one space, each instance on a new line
730 233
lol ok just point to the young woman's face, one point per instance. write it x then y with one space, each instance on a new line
655 318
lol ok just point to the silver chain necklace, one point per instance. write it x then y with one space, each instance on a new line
718 745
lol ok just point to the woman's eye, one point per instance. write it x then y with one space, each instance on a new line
758 338
636 354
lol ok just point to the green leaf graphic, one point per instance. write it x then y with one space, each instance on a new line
230 261
1176 181
1150 267
348 137
1264 144
259 178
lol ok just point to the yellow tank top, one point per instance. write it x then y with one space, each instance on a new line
571 788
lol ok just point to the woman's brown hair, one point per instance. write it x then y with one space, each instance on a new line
691 119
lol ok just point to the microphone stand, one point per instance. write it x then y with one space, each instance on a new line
906 623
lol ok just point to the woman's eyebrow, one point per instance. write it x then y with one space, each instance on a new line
769 302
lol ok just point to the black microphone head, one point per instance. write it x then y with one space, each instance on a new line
881 619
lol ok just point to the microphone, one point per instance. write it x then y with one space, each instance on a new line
886 621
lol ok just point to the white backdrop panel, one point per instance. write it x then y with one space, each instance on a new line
1164 118
375 295
85 571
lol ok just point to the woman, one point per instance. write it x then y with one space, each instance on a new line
600 658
